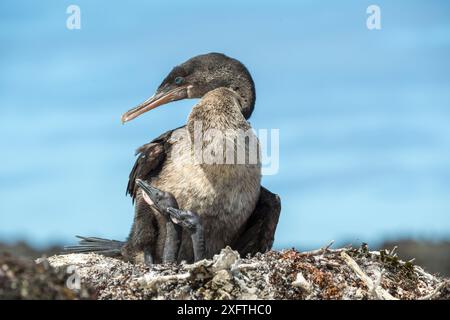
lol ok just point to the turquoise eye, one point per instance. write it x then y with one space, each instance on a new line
179 80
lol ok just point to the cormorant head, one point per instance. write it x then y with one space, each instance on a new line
186 219
196 77
159 199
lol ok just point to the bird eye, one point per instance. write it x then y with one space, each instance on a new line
179 80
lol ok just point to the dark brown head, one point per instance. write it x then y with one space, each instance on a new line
196 77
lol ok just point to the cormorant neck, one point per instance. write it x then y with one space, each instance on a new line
219 109
244 86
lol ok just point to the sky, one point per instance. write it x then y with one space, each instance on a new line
363 115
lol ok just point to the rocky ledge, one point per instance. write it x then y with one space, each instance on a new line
346 273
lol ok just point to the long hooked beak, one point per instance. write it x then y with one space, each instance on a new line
149 190
153 193
154 101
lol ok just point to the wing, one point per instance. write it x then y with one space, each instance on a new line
149 160
259 231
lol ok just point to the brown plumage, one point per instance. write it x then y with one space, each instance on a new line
235 210
227 197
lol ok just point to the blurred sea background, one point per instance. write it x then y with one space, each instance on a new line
364 116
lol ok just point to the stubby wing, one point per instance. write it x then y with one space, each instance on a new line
148 163
259 231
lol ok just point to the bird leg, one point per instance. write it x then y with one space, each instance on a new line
148 258
161 201
192 223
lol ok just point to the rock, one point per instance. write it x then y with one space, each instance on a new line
225 260
302 283
347 273
21 278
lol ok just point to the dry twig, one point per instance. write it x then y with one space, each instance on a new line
375 289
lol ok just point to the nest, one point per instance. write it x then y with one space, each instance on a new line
345 273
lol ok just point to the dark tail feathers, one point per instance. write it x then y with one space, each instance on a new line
109 248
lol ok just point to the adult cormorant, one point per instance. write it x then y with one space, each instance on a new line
192 163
